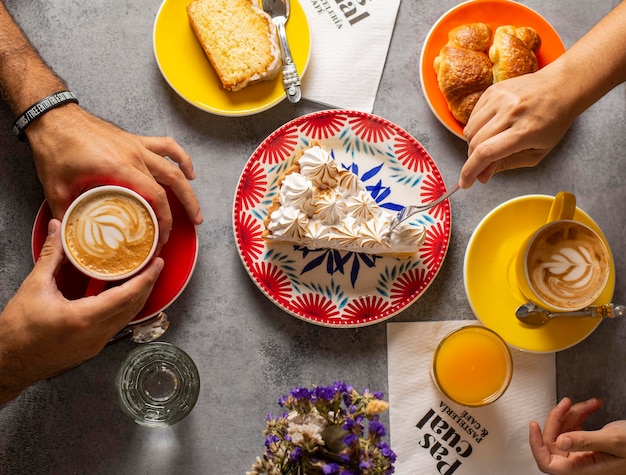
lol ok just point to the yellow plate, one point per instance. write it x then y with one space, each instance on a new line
188 71
490 280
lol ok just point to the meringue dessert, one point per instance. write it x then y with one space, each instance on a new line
320 206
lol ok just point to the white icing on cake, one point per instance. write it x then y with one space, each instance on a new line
321 207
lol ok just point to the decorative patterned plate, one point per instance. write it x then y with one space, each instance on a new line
490 281
188 71
495 13
342 289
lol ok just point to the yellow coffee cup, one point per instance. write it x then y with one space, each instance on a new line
564 265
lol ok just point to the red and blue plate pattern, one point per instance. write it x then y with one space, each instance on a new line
332 288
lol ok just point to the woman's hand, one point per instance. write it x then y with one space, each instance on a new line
518 121
515 124
565 449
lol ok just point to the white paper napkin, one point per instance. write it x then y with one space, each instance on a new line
349 44
432 435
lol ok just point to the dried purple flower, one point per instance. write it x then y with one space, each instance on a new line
386 451
330 469
351 439
325 432
377 428
324 393
296 454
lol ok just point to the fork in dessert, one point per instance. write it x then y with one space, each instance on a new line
411 210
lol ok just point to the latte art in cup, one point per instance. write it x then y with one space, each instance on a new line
109 233
567 264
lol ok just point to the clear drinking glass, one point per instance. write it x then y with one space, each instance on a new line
157 384
472 366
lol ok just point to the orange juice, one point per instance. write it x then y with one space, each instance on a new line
472 366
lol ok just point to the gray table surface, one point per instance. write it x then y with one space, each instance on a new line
249 352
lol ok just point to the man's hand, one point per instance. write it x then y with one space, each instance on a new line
42 333
75 150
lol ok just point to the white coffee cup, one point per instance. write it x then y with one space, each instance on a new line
109 233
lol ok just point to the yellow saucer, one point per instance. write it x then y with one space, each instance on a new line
490 277
188 71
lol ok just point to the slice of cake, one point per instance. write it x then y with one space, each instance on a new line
239 39
320 206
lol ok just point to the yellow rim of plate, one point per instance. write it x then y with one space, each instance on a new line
489 277
188 71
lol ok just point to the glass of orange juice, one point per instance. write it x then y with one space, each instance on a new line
472 366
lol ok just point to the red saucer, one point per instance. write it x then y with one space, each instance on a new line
179 253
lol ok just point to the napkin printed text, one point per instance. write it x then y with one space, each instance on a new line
448 436
352 11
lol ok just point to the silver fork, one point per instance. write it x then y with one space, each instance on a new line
411 210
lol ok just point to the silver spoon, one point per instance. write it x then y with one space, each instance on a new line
411 210
279 11
143 332
531 314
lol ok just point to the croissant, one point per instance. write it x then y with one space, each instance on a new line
514 52
463 68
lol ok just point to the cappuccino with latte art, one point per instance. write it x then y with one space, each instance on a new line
109 233
567 265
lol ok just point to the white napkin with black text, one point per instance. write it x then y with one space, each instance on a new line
424 424
349 44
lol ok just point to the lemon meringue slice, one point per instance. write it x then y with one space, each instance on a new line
320 206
